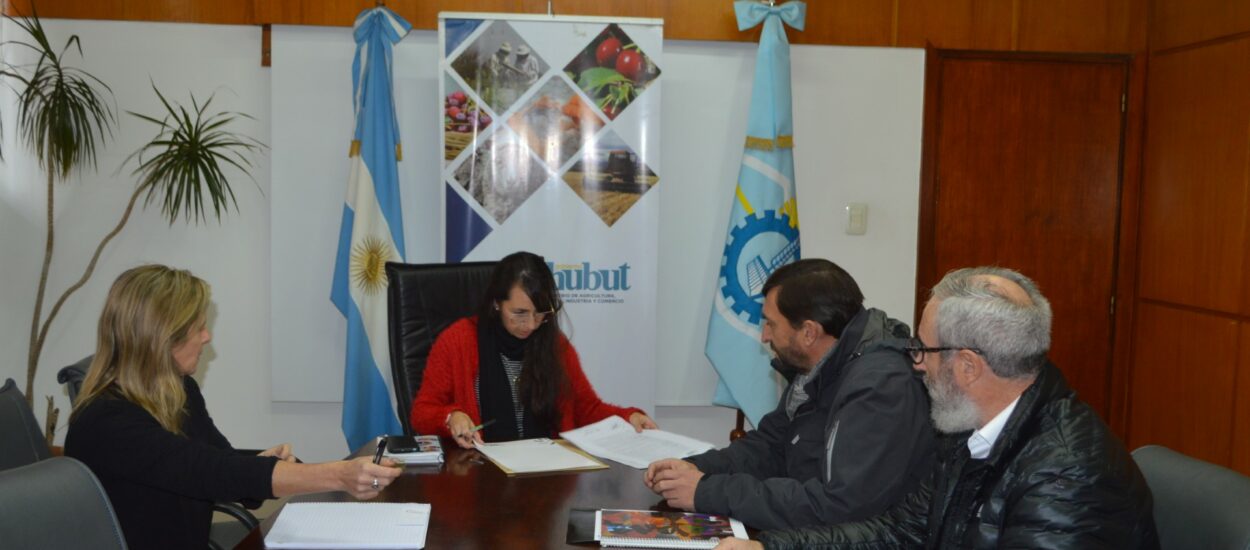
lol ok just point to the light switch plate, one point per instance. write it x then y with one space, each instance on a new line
856 218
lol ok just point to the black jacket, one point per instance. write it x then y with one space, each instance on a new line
163 485
859 444
1057 478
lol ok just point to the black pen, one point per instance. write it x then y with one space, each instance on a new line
377 457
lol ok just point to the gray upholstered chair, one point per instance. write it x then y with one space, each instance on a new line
21 440
1197 505
56 503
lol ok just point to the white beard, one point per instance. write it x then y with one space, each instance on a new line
950 408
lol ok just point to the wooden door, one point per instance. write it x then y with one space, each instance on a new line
1022 169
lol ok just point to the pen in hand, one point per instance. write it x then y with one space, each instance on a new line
469 436
377 457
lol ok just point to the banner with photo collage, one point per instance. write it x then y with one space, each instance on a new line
551 142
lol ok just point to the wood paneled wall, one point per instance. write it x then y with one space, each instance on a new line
1106 26
1190 385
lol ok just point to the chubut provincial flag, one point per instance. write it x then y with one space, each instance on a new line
764 222
372 231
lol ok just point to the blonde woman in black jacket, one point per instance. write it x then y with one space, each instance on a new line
141 424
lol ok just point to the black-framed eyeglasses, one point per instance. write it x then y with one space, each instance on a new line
917 349
538 317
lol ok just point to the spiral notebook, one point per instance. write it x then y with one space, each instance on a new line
652 529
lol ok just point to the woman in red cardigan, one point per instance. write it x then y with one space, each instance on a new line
510 367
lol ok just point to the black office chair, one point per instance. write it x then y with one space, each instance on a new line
21 440
1197 505
56 503
422 300
222 535
72 376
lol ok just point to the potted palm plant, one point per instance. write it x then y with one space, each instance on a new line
65 114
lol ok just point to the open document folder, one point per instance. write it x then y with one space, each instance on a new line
615 439
350 525
529 456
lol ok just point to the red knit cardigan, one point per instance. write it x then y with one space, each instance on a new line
450 372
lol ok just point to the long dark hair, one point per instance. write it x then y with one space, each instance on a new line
542 371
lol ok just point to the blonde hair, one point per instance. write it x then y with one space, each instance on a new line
150 310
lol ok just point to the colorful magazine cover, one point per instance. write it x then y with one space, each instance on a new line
663 526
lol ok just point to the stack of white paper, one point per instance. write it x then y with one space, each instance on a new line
615 439
317 525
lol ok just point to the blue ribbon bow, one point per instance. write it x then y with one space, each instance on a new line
752 12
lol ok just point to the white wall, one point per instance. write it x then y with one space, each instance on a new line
858 113
314 122
233 255
857 120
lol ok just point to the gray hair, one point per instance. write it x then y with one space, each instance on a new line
973 312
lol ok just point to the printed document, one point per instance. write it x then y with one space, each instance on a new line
615 439
350 525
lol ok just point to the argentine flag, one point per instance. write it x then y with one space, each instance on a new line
372 232
764 222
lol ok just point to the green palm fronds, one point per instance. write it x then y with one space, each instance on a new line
64 113
187 157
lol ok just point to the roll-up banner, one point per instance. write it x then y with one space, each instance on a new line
551 142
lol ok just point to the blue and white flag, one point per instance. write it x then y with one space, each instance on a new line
764 223
372 232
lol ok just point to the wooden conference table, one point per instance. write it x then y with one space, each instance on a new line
476 506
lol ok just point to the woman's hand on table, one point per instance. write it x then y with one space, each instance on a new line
642 422
462 432
364 480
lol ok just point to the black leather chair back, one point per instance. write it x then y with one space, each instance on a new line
56 503
21 440
1197 505
422 300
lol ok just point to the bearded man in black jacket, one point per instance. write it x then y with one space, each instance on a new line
851 435
1028 465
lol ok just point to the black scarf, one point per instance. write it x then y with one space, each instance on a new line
495 401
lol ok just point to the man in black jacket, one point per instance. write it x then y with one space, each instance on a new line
851 435
1028 465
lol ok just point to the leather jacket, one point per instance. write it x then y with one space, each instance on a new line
1057 478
